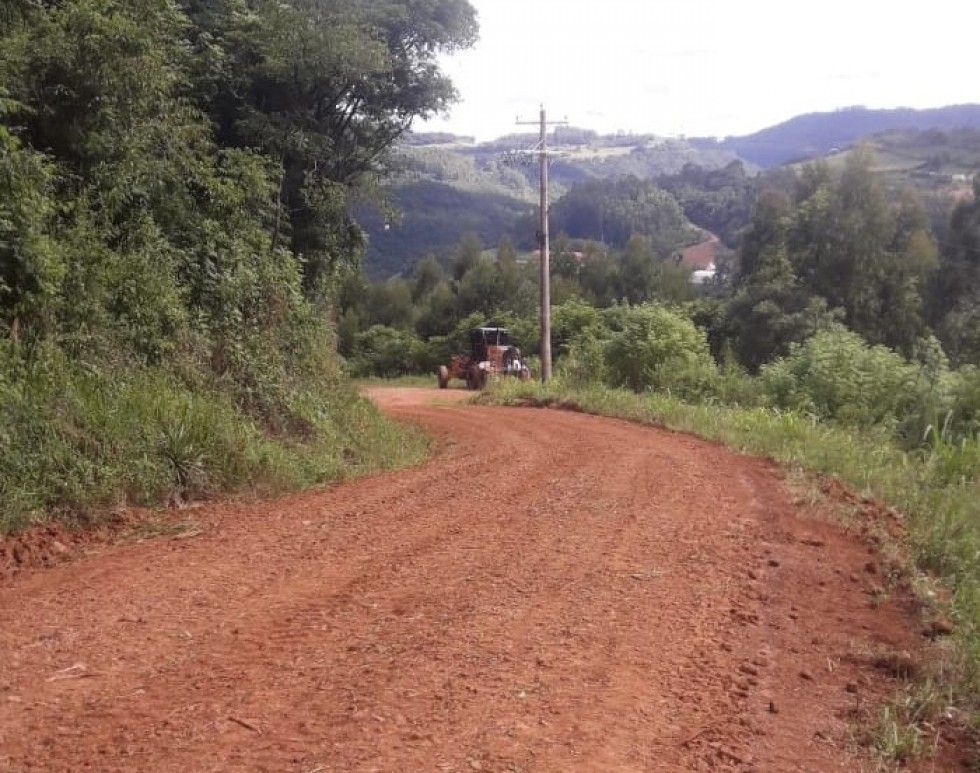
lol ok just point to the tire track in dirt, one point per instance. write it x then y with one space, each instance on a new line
552 591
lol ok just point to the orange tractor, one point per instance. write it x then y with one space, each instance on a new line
491 353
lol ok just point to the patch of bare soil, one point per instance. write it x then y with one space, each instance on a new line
552 591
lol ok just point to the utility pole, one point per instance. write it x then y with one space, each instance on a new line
544 241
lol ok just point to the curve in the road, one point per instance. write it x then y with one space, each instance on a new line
552 591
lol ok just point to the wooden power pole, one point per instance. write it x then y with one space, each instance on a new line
544 241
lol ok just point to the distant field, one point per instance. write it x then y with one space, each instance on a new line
585 153
939 166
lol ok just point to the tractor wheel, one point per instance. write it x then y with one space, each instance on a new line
443 376
475 378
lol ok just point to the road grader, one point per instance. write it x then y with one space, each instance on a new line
491 354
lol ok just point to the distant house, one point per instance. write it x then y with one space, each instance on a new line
701 259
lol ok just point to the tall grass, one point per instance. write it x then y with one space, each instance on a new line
74 442
936 486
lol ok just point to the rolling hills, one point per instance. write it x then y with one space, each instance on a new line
818 134
447 186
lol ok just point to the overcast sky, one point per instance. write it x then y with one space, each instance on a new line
708 67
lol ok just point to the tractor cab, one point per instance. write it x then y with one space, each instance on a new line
483 338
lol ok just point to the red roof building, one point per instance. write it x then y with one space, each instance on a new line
700 257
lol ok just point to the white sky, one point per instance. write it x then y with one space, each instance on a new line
708 67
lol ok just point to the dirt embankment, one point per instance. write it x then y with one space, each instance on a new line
552 591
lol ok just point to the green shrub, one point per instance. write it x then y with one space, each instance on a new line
572 320
964 418
583 361
837 375
386 352
659 349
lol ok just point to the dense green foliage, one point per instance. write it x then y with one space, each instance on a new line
719 200
78 437
823 248
429 311
834 376
434 219
614 211
954 302
656 349
176 181
836 243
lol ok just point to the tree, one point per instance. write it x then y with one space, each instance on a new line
859 254
327 87
954 305
31 266
769 312
487 288
506 255
428 275
599 277
614 211
390 304
637 271
719 200
770 309
658 348
467 255
671 282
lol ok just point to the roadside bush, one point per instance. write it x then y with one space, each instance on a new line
387 352
660 349
572 320
837 375
964 416
734 387
77 439
583 359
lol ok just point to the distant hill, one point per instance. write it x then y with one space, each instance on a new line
447 186
818 134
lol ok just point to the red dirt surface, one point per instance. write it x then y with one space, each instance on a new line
551 592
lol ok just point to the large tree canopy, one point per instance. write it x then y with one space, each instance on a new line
326 87
841 242
161 161
955 292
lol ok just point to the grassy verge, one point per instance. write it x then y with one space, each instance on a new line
76 443
936 489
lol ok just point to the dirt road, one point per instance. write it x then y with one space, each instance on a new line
551 592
